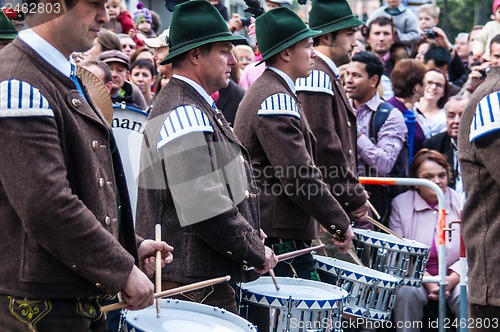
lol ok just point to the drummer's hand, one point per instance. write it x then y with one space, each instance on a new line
367 195
263 236
361 212
269 263
147 255
344 242
138 292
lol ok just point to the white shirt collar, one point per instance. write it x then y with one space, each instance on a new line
47 51
329 62
197 87
287 78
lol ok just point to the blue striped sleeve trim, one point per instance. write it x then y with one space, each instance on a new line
318 81
279 104
19 99
487 117
181 121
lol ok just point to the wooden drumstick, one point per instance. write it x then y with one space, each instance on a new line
297 253
172 292
290 255
273 276
322 244
384 228
375 212
158 270
355 257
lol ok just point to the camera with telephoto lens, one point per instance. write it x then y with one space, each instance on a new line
430 34
245 21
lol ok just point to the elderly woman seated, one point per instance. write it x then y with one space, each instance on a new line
415 217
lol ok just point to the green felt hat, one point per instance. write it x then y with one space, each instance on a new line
332 15
196 23
278 29
7 28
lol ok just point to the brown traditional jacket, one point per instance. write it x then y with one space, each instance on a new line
271 124
480 169
333 123
58 194
196 181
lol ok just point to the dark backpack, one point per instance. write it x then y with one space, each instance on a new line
401 166
382 195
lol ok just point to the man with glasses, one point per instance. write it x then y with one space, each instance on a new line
447 141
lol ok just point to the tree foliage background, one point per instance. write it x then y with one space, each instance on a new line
461 15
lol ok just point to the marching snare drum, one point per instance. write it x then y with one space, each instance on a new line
299 305
176 315
404 258
128 128
371 293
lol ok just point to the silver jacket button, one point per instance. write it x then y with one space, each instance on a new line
76 102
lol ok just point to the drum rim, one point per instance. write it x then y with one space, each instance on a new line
379 275
379 316
411 245
209 310
304 304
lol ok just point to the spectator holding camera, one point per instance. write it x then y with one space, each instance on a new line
428 17
480 70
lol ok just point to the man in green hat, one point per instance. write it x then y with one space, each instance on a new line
196 178
8 31
326 105
271 124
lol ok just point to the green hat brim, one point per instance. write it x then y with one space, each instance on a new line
11 36
301 35
182 49
343 23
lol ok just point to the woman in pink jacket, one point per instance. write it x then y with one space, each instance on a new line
414 216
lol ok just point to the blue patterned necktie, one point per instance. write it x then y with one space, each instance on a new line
72 75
